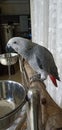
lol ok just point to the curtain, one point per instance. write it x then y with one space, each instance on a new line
46 24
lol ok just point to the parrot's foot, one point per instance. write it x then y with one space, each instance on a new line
35 77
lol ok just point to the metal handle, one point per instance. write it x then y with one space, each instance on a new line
34 110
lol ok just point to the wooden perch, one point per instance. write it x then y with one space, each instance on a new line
51 112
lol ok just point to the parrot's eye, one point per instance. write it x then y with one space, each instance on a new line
15 42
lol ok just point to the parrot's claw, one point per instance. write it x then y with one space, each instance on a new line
35 77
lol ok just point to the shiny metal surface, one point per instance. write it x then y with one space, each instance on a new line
8 58
34 109
12 98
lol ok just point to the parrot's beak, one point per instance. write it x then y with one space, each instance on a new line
9 48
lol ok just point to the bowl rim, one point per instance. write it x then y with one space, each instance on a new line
3 55
18 107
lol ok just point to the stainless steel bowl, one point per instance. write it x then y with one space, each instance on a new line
8 58
12 98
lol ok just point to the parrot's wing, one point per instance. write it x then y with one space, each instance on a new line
34 64
46 61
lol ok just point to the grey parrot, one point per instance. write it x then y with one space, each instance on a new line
39 57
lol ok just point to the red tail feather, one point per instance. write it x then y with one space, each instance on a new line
53 80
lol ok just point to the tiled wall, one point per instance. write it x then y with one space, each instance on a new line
14 7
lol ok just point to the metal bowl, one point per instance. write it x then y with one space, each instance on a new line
8 58
12 98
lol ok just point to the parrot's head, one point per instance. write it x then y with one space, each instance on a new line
19 44
10 45
15 43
